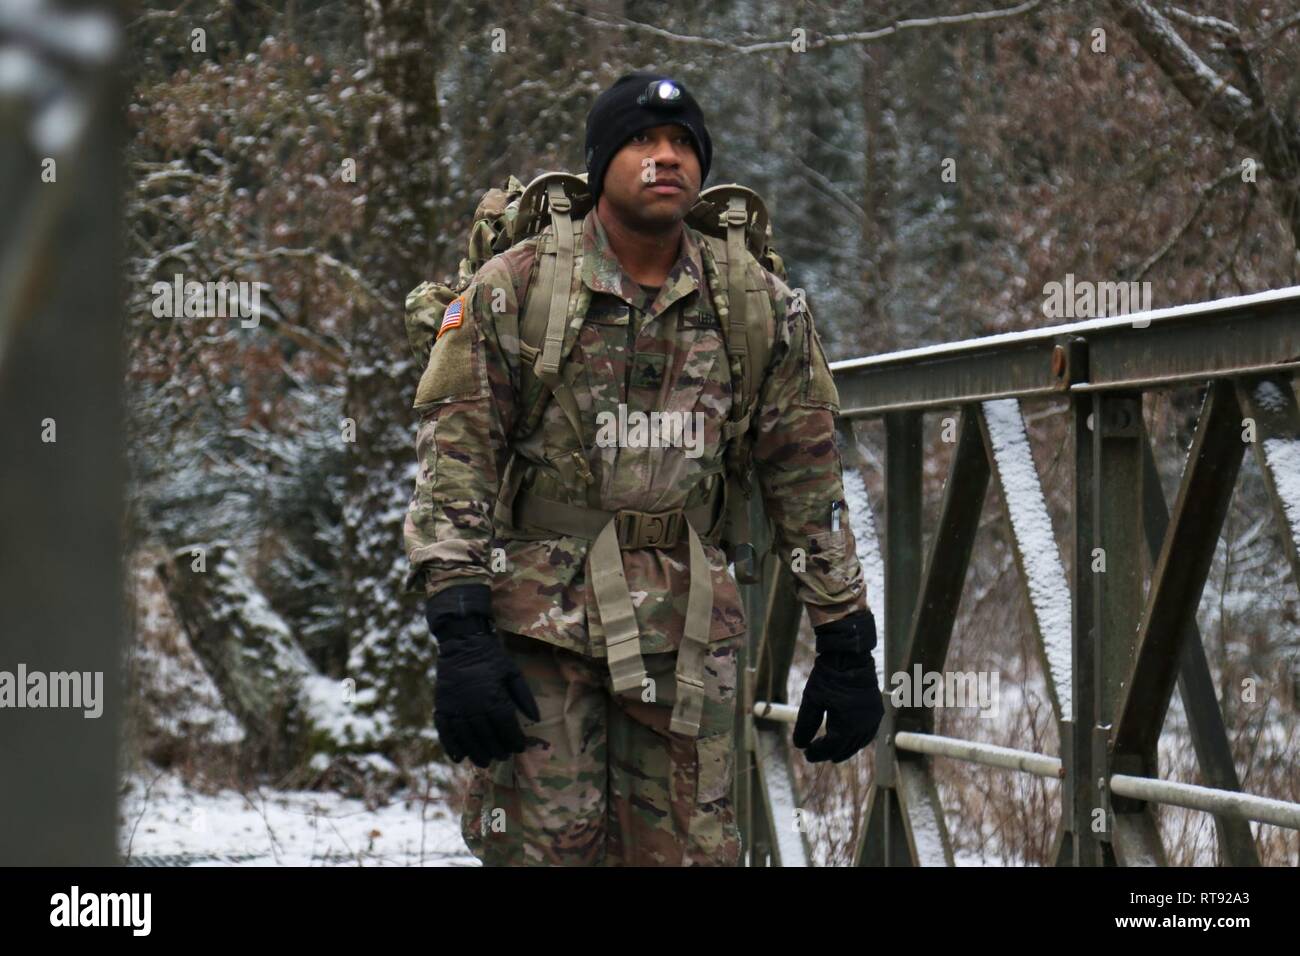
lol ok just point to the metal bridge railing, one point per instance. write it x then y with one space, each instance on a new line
1110 652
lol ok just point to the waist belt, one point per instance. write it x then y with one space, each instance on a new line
613 532
634 529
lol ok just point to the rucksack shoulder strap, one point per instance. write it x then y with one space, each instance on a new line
548 304
710 212
745 312
552 206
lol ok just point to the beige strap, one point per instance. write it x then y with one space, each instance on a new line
561 284
614 602
737 217
747 349
581 521
537 312
758 349
562 392
556 269
695 641
502 511
733 427
614 599
744 556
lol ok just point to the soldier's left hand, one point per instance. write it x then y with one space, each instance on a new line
843 689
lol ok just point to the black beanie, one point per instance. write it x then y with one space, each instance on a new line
617 115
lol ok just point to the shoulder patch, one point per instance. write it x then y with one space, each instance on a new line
455 368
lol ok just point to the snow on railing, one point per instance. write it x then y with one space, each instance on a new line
1031 526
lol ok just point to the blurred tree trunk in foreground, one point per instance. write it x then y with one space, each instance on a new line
61 471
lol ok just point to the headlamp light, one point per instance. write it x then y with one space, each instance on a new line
661 94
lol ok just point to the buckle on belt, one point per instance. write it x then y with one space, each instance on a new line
644 529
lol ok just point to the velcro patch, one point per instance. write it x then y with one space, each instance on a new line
607 310
455 367
819 386
695 317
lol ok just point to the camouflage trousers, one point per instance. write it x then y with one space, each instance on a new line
602 781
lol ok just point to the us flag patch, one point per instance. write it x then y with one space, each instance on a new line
451 319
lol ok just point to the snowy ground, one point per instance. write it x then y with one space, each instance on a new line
162 822
179 827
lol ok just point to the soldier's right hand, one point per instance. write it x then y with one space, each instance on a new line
478 687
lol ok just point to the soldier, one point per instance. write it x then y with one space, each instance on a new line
613 623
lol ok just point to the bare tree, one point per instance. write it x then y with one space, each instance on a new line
1249 114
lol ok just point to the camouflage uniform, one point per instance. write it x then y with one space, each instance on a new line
668 354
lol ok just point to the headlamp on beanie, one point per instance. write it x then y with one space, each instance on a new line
661 94
635 102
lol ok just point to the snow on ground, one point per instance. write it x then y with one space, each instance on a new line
967 858
176 826
161 818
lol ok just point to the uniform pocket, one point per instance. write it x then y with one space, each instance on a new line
426 453
828 552
714 838
717 767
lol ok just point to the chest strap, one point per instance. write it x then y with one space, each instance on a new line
613 532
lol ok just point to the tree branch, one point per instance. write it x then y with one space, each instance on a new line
1280 27
1204 192
783 44
1220 28
1231 111
325 259
1233 44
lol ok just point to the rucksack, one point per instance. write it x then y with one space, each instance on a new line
735 224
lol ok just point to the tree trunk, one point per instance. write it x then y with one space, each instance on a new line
61 471
289 711
392 654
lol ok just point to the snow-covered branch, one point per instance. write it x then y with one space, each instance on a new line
1221 28
1245 116
814 43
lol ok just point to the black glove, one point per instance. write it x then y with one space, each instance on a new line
478 686
843 687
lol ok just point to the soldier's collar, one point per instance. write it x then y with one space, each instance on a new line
602 272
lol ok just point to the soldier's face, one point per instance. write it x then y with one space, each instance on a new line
654 179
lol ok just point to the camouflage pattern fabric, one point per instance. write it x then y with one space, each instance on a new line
665 355
602 781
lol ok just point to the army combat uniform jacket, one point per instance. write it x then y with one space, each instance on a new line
632 354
